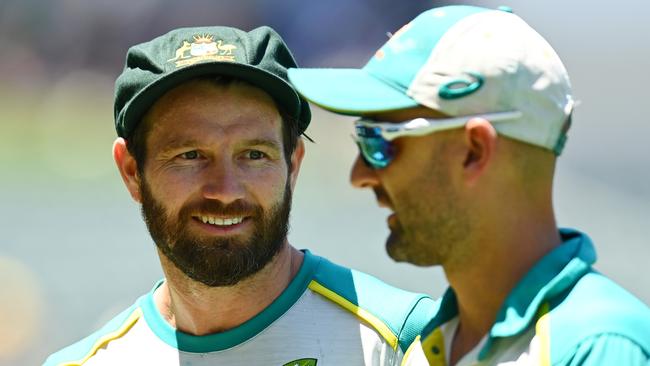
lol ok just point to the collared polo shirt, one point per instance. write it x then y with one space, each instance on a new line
328 315
562 312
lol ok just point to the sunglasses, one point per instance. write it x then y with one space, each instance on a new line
374 137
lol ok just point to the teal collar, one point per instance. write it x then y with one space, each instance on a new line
230 338
552 275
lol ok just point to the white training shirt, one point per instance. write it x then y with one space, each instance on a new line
328 315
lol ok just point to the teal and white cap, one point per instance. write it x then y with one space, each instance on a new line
459 60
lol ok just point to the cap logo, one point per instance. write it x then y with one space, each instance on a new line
203 48
460 87
393 43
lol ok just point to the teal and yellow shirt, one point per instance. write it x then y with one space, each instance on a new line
562 312
328 315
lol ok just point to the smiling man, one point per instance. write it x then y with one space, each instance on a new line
209 144
464 111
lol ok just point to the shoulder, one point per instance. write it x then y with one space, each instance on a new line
596 311
606 349
397 315
78 353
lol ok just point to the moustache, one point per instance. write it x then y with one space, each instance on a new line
382 198
218 208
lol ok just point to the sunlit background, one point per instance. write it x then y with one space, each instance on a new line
73 249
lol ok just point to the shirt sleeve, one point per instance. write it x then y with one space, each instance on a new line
608 349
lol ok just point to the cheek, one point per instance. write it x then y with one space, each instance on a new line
414 180
172 190
268 185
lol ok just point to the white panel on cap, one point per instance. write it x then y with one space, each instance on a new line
522 72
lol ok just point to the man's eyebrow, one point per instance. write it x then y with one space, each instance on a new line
272 144
179 144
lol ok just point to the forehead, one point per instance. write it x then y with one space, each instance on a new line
206 109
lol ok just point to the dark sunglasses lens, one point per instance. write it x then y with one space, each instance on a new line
376 151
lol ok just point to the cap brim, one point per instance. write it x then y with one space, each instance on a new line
278 89
348 91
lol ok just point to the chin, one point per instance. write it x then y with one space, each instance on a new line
405 252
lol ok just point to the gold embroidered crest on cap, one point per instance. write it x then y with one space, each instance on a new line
204 48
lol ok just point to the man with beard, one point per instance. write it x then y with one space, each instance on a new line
209 143
464 111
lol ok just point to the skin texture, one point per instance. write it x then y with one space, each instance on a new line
425 224
222 260
475 203
215 150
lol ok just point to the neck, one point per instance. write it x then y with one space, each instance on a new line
507 250
197 309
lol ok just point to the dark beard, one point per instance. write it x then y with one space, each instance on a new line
218 261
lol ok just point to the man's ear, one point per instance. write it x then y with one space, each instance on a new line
296 161
481 143
128 168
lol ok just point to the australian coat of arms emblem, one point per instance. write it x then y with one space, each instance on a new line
203 48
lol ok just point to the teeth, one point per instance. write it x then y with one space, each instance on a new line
220 221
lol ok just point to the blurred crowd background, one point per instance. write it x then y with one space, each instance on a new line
73 249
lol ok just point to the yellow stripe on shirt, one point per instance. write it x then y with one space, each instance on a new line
369 318
543 333
433 346
103 341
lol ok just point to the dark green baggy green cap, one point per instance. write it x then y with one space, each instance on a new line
259 57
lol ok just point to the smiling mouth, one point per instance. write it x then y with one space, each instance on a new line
220 221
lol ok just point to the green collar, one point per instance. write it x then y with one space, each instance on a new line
230 338
553 274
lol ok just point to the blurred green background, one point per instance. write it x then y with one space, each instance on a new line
74 250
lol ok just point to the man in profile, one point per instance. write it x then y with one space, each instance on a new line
464 111
209 144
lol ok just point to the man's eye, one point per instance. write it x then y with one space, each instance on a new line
190 155
255 155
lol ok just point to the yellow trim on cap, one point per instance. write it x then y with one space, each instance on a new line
121 331
543 332
375 322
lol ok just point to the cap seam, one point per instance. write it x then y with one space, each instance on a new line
243 44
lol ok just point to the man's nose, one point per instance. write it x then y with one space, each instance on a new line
362 176
223 182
